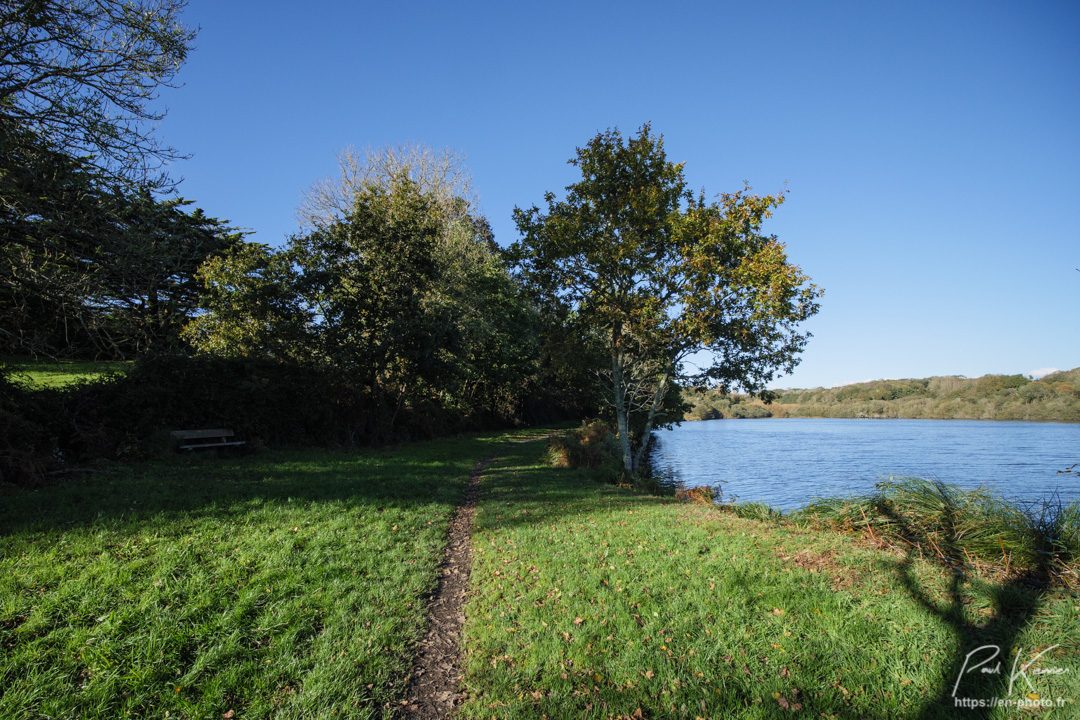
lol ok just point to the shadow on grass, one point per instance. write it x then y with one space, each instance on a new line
540 493
990 665
208 485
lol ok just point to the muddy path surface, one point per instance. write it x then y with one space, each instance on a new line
432 690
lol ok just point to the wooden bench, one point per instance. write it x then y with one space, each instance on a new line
196 439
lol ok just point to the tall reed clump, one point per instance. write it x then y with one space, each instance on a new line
1052 530
965 527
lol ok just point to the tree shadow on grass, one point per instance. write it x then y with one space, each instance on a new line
541 494
131 495
990 665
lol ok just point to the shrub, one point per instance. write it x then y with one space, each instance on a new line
27 448
748 410
701 495
591 446
584 447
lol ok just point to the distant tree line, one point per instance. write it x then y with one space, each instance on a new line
991 397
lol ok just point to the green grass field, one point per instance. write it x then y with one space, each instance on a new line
285 584
291 584
58 373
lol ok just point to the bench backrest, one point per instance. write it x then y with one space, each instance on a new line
200 434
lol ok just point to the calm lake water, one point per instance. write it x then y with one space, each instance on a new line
788 462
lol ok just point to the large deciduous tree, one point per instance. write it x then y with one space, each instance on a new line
409 285
652 274
83 76
395 282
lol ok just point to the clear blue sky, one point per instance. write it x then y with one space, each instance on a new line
931 150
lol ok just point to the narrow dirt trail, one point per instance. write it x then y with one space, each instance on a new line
432 691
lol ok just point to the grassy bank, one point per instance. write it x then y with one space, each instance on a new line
291 584
592 601
285 584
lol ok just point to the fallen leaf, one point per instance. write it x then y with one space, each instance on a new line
777 611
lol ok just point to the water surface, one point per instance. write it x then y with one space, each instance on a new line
788 462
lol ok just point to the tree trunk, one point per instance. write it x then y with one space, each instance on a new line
622 419
658 400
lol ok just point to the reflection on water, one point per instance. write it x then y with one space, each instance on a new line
788 462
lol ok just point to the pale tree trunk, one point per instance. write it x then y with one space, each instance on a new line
622 417
658 401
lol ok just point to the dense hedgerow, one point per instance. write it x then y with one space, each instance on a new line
265 403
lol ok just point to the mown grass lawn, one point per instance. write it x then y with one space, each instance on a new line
593 601
282 584
291 584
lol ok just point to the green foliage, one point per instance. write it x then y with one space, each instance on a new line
87 270
493 331
646 274
401 293
748 410
368 278
252 307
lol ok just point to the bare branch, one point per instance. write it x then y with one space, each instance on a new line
83 76
442 173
